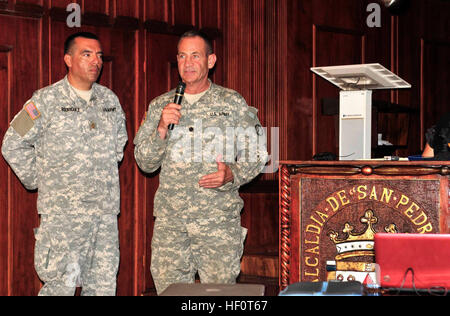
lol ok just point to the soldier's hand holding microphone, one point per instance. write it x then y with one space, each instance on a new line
171 115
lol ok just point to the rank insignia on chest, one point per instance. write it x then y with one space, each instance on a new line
32 111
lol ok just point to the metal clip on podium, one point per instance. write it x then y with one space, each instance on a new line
355 107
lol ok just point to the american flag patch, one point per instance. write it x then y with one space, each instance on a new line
32 111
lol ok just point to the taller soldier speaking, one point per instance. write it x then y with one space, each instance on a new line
197 205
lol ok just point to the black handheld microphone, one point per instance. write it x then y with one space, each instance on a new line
179 93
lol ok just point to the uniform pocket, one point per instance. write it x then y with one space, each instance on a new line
43 262
239 251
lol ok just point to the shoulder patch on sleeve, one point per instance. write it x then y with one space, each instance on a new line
32 111
22 123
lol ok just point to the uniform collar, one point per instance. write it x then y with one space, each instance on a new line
204 91
205 98
70 92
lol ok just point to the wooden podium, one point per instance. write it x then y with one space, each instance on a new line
330 211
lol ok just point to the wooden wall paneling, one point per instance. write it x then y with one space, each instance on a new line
107 74
44 64
332 46
435 94
381 47
253 63
297 137
124 76
273 106
311 48
217 74
266 59
25 8
58 34
183 12
98 6
205 18
6 67
260 217
406 64
238 47
434 50
128 8
378 46
33 2
3 5
5 174
420 28
337 40
100 13
161 64
63 3
278 112
24 38
258 62
209 20
140 181
158 10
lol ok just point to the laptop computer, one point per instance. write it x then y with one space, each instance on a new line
413 261
198 289
332 288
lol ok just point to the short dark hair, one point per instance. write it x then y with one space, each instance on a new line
71 40
195 33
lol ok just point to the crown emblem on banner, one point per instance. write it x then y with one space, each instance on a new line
357 245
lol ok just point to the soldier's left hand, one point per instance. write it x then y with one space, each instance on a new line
217 179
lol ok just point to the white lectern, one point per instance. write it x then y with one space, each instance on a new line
355 107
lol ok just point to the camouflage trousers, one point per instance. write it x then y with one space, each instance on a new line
212 247
77 251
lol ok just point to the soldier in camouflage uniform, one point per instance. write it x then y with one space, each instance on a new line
67 142
217 145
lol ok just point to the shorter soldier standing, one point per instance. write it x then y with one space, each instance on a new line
217 145
67 142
